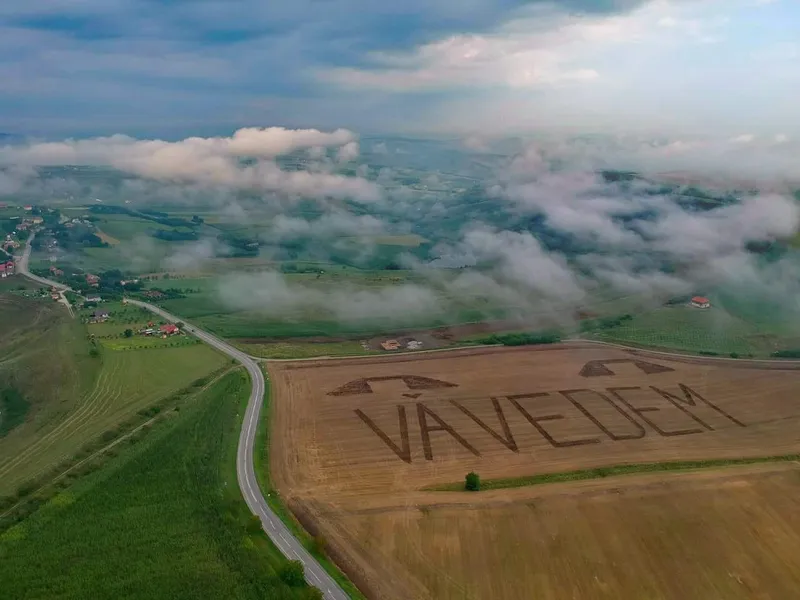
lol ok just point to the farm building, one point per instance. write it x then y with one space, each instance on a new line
6 268
701 302
169 329
94 299
414 345
99 316
390 345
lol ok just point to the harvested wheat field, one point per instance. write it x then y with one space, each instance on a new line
357 445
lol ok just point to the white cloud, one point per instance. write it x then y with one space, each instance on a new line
210 161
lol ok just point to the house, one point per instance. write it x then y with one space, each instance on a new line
6 268
28 208
414 345
55 296
22 226
37 220
390 345
99 316
3 273
92 279
701 302
94 299
169 329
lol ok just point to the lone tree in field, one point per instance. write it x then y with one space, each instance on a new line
128 333
292 573
472 482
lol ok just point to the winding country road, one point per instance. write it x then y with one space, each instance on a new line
245 468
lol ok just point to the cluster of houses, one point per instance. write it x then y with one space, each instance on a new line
99 316
27 224
70 223
10 243
392 345
164 330
6 268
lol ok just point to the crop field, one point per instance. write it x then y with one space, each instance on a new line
379 434
289 350
163 518
692 330
127 228
87 396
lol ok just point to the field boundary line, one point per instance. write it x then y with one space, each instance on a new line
615 471
566 344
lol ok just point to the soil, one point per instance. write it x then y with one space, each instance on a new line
355 441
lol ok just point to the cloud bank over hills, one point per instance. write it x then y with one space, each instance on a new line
549 228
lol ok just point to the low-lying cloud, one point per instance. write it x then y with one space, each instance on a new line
246 160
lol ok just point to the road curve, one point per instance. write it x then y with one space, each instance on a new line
245 468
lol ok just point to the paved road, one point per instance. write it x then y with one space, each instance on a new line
22 269
245 468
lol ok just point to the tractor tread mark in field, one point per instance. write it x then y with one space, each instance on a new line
598 368
413 382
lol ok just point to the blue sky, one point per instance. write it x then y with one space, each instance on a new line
171 68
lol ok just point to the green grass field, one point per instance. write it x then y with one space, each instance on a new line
291 350
163 519
688 329
73 397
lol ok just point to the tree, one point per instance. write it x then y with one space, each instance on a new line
292 573
254 524
129 333
315 594
179 325
472 482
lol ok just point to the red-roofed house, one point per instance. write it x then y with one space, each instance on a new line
701 302
169 329
3 270
92 279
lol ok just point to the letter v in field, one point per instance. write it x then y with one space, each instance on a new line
416 384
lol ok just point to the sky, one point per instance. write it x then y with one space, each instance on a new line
174 68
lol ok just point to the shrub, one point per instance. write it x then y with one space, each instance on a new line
523 339
472 482
293 574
